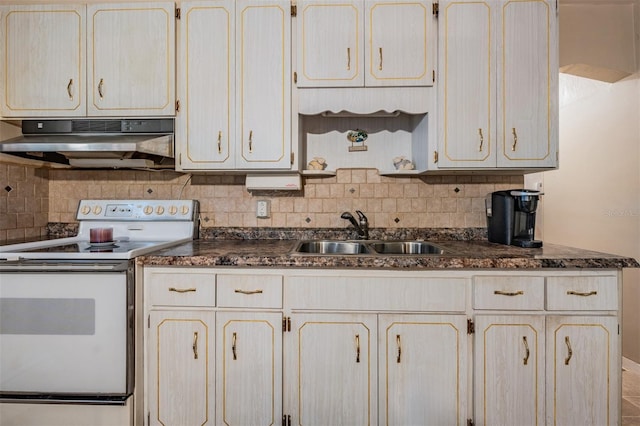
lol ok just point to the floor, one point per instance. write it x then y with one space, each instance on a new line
630 394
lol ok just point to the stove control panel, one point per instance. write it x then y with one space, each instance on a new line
138 210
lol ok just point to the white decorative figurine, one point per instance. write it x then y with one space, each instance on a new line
401 163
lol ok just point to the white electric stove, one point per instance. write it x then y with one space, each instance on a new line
67 312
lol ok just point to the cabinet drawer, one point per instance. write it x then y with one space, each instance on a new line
583 293
377 294
180 288
250 291
510 293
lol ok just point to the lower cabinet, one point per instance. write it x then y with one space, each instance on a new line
509 370
181 355
248 368
583 370
252 347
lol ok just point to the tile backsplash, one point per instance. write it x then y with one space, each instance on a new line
24 202
389 202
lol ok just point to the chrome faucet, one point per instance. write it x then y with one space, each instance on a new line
361 225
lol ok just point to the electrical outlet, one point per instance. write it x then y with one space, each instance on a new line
263 209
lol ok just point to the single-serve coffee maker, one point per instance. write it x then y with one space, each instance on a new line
511 217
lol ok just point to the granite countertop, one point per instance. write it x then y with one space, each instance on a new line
476 253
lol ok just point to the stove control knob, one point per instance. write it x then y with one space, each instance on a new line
148 210
97 210
185 210
173 210
85 210
159 210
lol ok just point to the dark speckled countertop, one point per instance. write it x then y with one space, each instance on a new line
464 249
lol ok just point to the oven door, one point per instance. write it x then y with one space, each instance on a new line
66 335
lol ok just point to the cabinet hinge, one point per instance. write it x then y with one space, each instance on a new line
178 14
293 158
295 77
471 326
435 156
148 321
469 422
178 106
294 10
435 7
433 76
286 324
286 420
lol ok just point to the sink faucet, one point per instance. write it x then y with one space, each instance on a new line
361 225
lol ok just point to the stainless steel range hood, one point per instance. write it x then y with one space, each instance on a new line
89 143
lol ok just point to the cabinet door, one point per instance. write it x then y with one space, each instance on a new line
527 122
43 60
180 368
400 44
423 369
583 370
249 368
263 67
467 85
205 128
131 51
509 370
330 43
332 369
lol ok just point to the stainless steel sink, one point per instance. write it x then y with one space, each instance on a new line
332 247
406 247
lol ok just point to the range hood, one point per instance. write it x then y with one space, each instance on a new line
87 143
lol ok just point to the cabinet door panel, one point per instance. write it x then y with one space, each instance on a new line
527 72
131 68
467 92
422 369
43 60
205 132
330 43
583 371
333 366
181 357
263 69
509 370
249 369
400 57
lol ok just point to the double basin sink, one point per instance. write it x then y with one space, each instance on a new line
337 247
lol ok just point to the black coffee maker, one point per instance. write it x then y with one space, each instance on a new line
511 217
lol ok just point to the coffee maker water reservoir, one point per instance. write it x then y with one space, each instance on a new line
511 217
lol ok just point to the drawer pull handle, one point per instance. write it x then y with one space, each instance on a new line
399 348
220 142
569 350
526 350
182 290
380 55
509 293
577 293
100 85
233 346
357 348
348 58
238 290
515 139
195 345
481 139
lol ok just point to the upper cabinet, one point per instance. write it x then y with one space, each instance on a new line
131 52
97 60
498 85
43 60
234 82
365 43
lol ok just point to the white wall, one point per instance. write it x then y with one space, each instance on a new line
593 200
